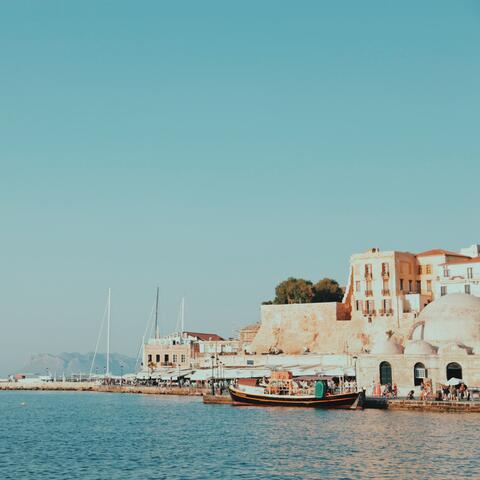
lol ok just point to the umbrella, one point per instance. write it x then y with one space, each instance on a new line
454 381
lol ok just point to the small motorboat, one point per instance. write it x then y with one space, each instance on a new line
283 391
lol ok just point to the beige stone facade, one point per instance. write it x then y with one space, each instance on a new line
404 368
312 327
184 350
157 355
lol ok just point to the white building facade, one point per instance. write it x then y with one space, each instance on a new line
461 276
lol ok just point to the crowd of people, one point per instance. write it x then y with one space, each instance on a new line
444 393
387 391
456 392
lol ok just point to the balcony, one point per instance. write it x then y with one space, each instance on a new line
386 292
385 312
368 275
368 313
369 293
386 274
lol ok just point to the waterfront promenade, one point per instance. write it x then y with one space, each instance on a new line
92 387
390 404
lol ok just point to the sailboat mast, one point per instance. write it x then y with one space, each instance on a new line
182 325
108 331
156 316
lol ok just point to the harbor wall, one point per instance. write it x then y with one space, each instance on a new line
89 387
432 406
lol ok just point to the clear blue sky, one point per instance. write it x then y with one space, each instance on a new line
215 148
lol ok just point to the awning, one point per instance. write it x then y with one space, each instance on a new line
200 375
339 372
454 381
229 373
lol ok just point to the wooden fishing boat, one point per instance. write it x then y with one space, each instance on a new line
281 391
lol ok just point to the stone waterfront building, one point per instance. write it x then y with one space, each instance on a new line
445 343
401 311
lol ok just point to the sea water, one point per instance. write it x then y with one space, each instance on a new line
96 436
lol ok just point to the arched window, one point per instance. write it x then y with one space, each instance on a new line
385 373
454 369
419 373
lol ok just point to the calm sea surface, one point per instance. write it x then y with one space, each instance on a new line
93 436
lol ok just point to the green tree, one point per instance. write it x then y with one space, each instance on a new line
293 290
327 290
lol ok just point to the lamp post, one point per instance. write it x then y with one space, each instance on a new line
121 374
212 380
355 368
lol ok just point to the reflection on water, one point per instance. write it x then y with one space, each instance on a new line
94 436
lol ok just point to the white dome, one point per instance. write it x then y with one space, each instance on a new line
386 347
457 348
419 347
452 318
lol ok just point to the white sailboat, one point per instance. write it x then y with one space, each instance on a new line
107 314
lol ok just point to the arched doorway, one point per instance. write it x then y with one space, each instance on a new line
385 373
419 373
454 369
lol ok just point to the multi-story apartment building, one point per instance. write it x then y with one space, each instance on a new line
380 282
401 284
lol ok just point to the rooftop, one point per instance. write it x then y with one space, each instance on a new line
205 336
463 260
440 251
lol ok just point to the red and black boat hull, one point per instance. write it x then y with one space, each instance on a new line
345 400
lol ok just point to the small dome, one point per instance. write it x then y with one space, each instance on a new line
457 348
386 347
419 347
452 318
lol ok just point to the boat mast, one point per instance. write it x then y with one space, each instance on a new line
182 324
156 316
108 332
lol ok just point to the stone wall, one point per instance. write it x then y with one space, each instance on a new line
318 327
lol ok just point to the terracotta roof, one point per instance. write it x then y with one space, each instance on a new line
462 260
440 251
205 336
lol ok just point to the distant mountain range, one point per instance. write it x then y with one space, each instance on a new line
71 363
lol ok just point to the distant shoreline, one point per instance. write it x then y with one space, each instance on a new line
89 387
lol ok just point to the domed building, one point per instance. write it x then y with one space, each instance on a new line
386 347
419 347
452 318
444 343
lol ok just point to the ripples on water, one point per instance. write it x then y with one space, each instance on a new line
95 436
